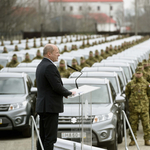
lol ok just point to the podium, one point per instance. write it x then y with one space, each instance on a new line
75 123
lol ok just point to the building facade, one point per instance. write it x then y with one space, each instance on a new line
109 7
84 9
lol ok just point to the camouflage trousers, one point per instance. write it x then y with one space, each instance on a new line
134 119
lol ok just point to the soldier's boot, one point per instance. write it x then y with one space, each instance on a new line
132 143
147 142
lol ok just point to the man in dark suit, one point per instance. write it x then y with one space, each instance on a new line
49 96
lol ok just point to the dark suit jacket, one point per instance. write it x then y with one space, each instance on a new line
50 90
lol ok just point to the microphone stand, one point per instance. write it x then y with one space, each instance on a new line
77 76
80 104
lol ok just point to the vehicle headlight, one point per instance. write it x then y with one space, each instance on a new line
17 105
102 117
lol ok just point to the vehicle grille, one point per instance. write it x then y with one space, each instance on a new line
75 120
4 107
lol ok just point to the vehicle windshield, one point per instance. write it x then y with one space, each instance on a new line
132 67
99 96
127 73
113 92
113 80
121 84
131 70
121 76
12 85
32 76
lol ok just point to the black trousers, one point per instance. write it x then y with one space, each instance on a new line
48 130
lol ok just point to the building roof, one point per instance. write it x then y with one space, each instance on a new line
98 17
85 0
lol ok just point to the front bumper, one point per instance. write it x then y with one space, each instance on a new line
16 119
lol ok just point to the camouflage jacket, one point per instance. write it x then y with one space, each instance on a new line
64 73
38 57
147 69
84 65
1 67
146 76
12 64
26 61
138 93
99 58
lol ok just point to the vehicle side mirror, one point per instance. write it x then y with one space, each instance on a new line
33 90
119 99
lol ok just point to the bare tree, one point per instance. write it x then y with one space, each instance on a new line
14 15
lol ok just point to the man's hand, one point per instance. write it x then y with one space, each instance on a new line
73 93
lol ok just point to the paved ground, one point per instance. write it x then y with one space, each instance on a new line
140 141
10 140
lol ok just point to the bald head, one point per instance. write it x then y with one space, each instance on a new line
51 51
48 48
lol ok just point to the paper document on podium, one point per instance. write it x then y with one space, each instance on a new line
83 89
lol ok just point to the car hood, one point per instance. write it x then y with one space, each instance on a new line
8 99
75 109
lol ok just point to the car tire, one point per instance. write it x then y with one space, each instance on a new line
27 132
114 146
120 133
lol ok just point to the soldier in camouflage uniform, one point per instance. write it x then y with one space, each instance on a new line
83 45
103 54
14 62
27 58
111 50
38 55
16 48
64 73
149 66
74 65
83 63
65 50
106 53
91 60
5 50
138 93
115 50
119 49
1 67
146 76
98 57
146 66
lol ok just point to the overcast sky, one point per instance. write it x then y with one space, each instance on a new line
128 4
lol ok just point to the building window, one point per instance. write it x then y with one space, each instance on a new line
89 8
64 8
98 8
71 8
80 8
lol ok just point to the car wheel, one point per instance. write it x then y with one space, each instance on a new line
27 131
120 133
114 146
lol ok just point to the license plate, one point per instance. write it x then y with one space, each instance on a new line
72 135
0 121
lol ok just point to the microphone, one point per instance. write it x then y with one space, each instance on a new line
73 68
77 76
